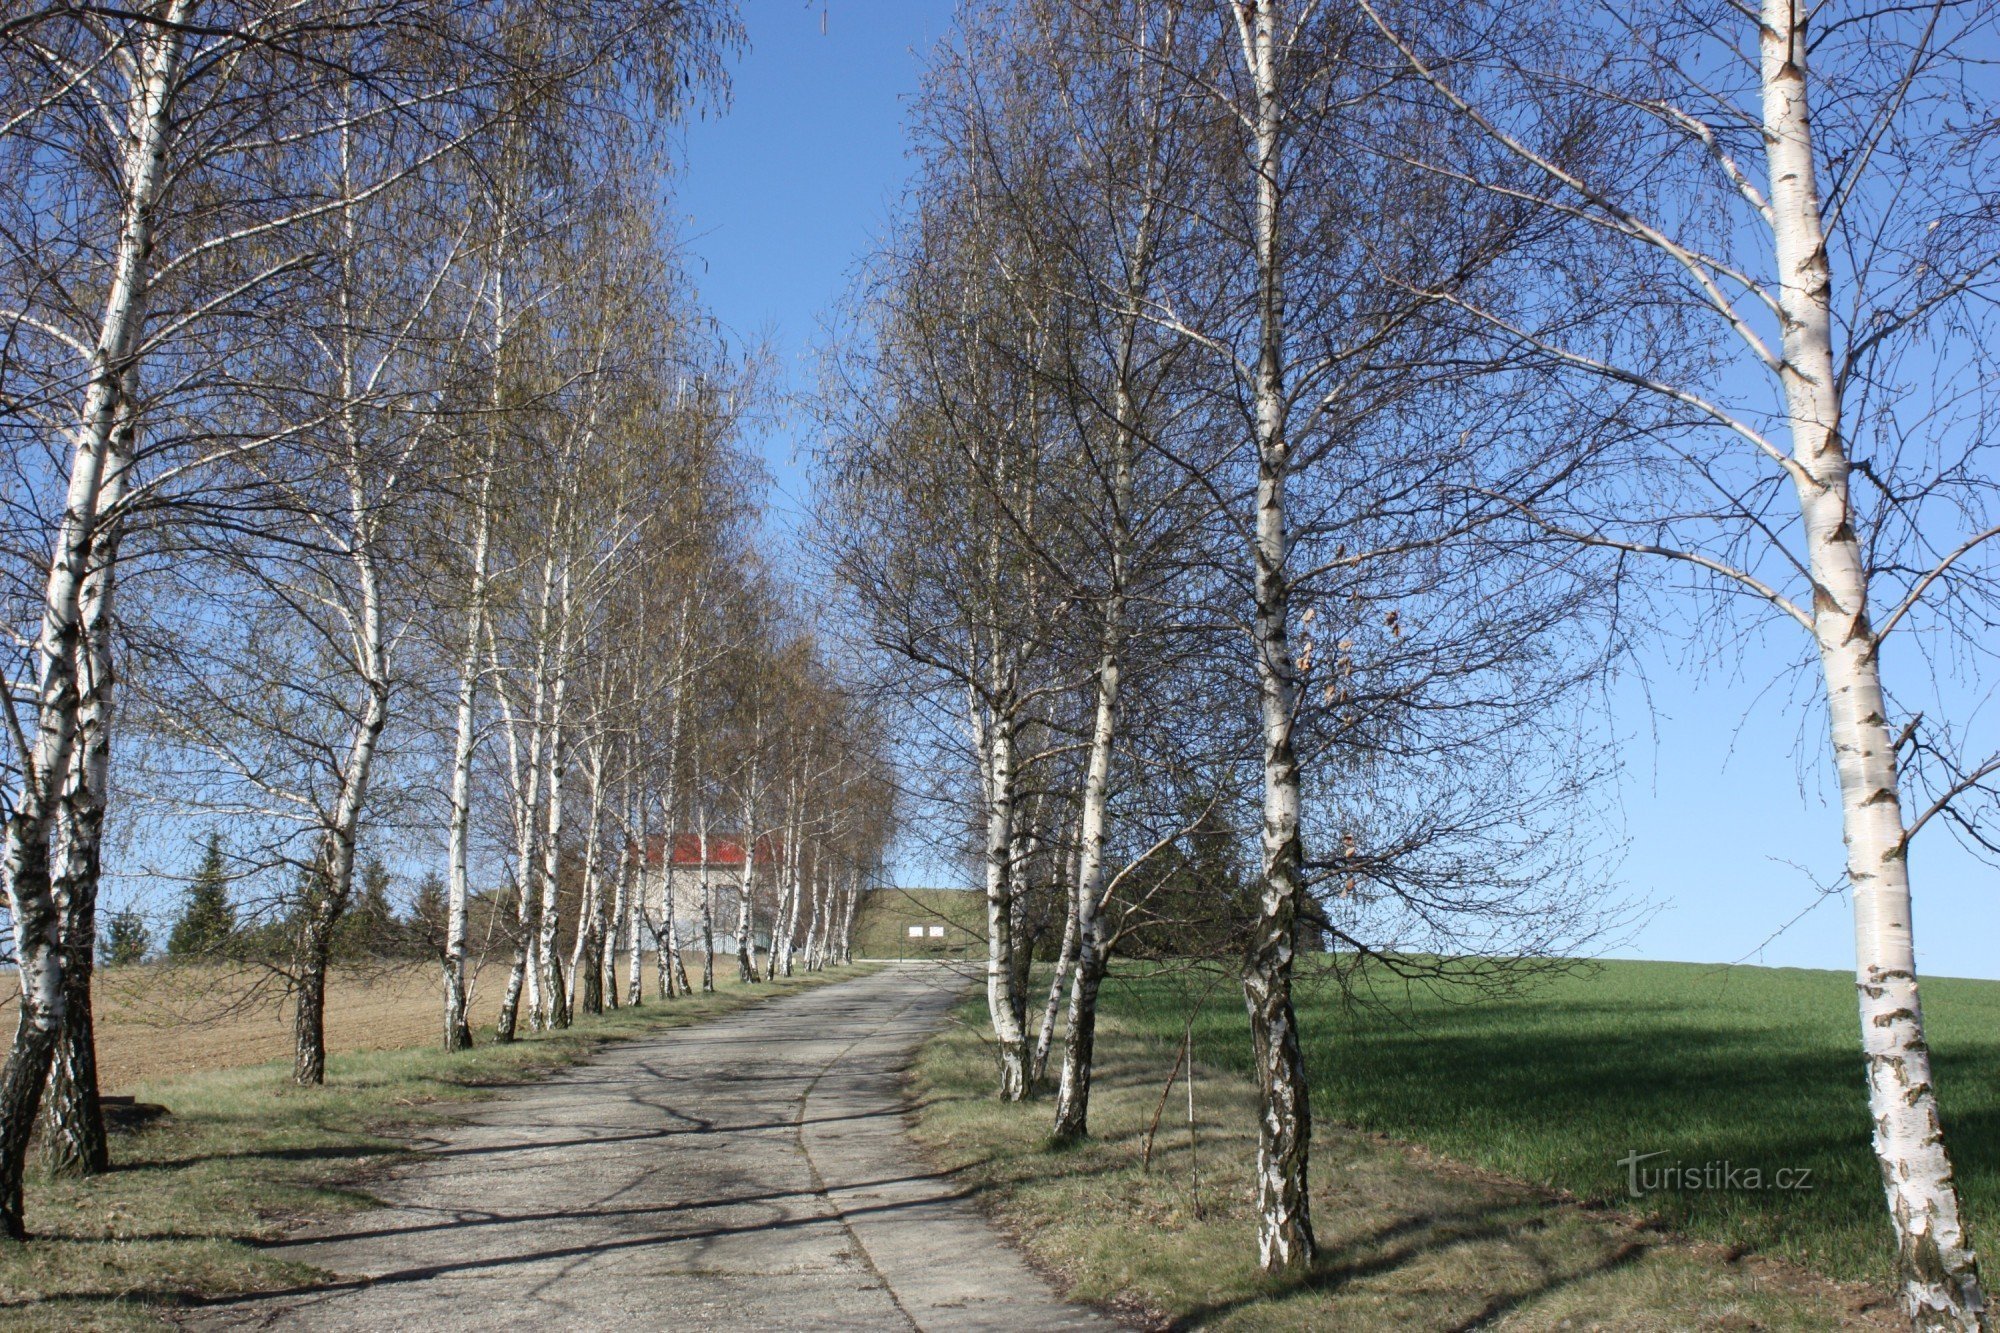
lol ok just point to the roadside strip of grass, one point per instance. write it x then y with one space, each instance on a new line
245 1156
1409 1240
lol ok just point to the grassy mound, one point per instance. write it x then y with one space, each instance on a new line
884 918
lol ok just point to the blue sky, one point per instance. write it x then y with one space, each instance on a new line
1730 823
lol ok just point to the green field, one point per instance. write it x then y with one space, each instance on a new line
1756 1067
1438 1215
884 917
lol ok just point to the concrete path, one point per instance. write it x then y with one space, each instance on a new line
747 1173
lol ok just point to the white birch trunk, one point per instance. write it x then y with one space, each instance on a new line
781 944
1086 909
525 778
465 735
37 926
1941 1287
1001 1004
707 913
1079 1043
553 1012
457 1029
336 857
635 944
1284 1220
846 953
73 1135
746 949
619 929
583 992
847 917
1065 960
821 883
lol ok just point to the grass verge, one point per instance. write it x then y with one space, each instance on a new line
246 1155
1410 1239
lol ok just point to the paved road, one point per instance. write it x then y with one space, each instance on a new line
747 1173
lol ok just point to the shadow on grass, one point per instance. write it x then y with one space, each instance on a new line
1402 1244
1760 1070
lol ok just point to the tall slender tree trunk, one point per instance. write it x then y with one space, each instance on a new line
525 777
746 946
1065 961
635 944
554 1012
1941 1285
1022 937
585 992
1072 1118
334 880
1002 1004
1284 1128
465 734
586 965
847 917
457 1026
820 883
1084 932
671 963
25 849
707 907
792 883
73 1137
618 928
746 922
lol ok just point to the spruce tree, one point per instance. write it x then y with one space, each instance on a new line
425 929
368 928
207 920
128 941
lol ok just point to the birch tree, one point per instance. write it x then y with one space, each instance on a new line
1794 218
178 128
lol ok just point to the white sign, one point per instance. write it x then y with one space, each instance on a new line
916 932
937 932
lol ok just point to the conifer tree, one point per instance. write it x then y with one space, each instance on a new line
207 920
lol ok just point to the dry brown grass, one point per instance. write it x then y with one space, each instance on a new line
246 1155
158 1021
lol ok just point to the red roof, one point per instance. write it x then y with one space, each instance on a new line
723 850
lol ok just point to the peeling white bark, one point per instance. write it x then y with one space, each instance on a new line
146 136
1941 1287
1284 1220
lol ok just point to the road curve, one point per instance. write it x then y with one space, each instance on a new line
750 1172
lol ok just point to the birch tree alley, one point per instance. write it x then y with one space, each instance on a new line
1240 446
204 148
625 453
1797 230
933 478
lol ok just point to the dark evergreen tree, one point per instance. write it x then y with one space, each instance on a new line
207 920
368 928
128 941
423 932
